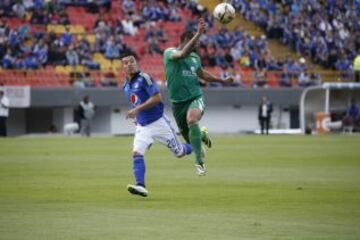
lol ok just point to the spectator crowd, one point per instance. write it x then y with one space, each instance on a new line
328 32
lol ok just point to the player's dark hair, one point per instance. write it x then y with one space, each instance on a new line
127 54
186 36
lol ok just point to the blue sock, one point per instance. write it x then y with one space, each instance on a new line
187 148
139 169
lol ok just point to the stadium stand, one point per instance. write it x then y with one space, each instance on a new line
59 43
326 31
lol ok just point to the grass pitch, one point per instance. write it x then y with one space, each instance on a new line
271 187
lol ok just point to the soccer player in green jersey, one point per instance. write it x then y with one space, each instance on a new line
183 71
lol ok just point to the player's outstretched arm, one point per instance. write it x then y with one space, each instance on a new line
187 48
152 101
208 77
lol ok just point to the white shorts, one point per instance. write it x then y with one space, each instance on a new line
160 130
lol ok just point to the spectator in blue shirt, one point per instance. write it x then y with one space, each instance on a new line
353 111
128 6
352 117
67 37
41 52
72 56
9 60
112 50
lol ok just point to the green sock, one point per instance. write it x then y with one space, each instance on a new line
195 140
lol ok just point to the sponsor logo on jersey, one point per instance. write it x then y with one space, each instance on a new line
134 99
187 73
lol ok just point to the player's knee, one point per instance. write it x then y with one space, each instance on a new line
191 120
137 155
193 116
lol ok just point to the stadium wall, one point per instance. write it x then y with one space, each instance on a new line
229 110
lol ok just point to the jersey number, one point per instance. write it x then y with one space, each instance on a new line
171 143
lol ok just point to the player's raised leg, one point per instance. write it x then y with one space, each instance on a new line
179 111
165 133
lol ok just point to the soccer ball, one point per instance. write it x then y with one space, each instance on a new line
224 13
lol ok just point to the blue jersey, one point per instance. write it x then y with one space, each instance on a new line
138 90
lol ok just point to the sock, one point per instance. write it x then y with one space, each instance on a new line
139 169
187 148
195 140
185 134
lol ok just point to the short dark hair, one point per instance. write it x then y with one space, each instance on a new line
185 36
127 54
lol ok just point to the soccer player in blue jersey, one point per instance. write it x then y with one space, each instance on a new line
151 123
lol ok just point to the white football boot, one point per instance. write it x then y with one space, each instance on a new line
200 169
137 190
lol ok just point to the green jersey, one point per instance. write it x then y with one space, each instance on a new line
182 81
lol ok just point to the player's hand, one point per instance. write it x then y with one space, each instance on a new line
132 113
228 81
201 26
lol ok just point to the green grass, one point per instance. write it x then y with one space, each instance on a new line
272 187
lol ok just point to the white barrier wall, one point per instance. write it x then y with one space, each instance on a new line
217 119
112 121
233 120
229 110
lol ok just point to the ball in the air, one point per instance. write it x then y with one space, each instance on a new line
224 13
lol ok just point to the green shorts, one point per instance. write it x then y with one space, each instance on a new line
180 111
